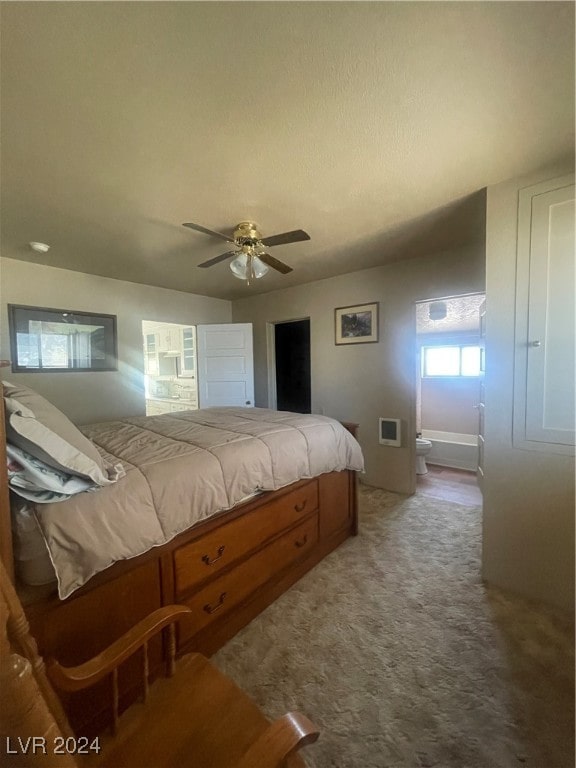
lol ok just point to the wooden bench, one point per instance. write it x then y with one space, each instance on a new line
194 716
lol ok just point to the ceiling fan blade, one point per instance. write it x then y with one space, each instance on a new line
286 237
218 259
274 263
211 232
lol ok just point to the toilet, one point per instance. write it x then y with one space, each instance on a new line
423 448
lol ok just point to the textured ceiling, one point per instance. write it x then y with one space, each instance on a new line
462 314
372 126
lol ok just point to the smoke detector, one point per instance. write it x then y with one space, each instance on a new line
40 247
437 310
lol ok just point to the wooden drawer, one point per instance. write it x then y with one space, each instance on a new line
236 585
336 506
203 558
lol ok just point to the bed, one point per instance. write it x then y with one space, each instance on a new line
274 494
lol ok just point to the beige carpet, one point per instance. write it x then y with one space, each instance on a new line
396 649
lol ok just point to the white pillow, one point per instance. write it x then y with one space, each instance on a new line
32 560
38 427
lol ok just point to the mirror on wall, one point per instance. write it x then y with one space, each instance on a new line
61 340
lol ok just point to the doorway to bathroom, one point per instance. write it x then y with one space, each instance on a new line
449 379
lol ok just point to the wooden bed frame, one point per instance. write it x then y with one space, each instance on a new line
227 569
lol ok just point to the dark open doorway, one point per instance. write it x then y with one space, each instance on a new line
292 346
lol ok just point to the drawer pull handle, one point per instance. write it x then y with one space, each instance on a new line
213 608
301 542
206 558
300 507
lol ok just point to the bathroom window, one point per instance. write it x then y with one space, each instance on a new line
450 361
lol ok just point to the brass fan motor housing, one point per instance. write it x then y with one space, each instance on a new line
247 230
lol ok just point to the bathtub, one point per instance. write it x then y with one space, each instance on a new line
452 449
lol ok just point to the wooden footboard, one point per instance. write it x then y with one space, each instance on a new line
227 570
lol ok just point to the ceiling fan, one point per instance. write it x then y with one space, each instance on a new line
250 260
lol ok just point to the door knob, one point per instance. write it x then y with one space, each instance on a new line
535 343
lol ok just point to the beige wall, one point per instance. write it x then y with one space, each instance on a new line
528 495
448 405
87 397
364 381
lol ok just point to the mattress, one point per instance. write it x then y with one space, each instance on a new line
182 468
31 555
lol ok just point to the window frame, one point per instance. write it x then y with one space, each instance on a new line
17 314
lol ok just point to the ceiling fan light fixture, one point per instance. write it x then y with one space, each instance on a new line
241 268
250 260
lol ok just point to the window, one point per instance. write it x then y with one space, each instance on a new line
451 361
59 340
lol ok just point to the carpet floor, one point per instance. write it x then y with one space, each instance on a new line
395 648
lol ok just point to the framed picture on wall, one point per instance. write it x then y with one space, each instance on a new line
356 325
44 340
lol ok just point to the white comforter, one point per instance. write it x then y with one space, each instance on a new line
180 469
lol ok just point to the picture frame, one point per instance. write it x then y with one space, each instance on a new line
47 340
356 324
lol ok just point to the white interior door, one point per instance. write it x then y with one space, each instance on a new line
225 365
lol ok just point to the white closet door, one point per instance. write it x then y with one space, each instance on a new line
225 365
481 394
546 342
